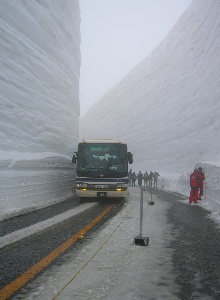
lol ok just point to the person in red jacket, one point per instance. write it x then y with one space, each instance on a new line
201 177
194 187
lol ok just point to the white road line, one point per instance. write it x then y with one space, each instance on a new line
42 226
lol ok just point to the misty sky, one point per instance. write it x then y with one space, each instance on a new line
116 35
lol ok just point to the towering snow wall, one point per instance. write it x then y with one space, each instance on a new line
40 63
39 102
167 108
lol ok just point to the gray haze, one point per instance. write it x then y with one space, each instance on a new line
116 35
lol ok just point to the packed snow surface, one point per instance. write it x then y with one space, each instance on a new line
167 108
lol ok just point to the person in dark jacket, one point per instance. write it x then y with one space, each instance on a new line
150 179
129 176
146 179
140 178
194 187
155 176
201 178
133 178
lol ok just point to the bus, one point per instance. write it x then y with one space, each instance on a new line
102 169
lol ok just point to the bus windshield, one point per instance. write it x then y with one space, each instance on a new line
102 156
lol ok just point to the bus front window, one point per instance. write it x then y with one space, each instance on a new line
106 157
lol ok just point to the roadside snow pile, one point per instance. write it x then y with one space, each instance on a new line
212 185
211 198
39 105
27 185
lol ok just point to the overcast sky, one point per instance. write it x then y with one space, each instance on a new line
116 35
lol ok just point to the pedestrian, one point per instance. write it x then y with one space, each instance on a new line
155 176
140 178
150 178
133 178
194 187
129 176
201 178
146 179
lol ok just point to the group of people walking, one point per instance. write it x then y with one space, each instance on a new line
144 179
150 180
196 185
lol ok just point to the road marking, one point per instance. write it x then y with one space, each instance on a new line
24 233
103 244
12 287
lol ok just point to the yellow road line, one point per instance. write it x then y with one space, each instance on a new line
105 242
12 287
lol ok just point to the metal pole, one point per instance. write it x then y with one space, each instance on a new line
139 240
141 212
151 192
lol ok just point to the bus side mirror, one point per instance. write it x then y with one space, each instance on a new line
130 158
74 158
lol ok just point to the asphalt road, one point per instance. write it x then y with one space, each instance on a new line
195 245
18 222
17 258
196 256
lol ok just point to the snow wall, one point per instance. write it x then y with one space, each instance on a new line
167 108
39 100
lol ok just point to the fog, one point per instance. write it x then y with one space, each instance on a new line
115 36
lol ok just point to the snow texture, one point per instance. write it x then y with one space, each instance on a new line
110 266
39 100
167 108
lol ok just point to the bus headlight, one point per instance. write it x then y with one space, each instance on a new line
81 185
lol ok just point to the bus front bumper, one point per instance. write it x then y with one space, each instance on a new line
81 193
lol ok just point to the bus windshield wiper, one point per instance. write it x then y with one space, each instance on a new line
94 168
